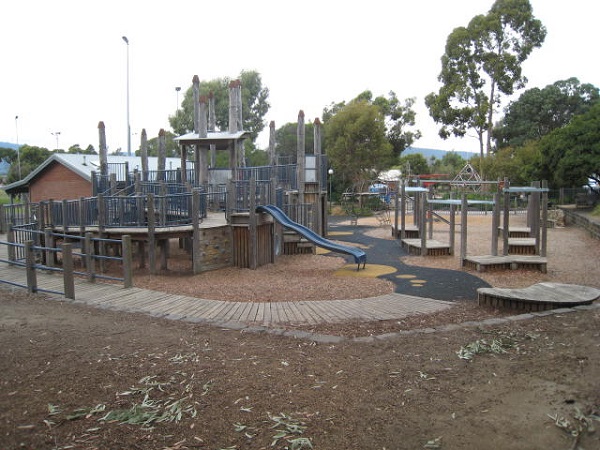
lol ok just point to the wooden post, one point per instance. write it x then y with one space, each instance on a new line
423 220
464 214
88 250
49 244
151 235
3 225
144 154
81 213
300 157
535 223
10 236
101 213
495 224
65 216
252 226
68 280
162 205
271 151
505 218
30 267
196 260
452 227
544 243
402 211
113 183
126 251
430 216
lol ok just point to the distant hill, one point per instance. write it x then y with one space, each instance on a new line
4 166
8 145
438 154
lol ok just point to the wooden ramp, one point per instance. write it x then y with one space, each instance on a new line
538 297
510 262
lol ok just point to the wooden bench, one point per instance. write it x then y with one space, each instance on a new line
538 297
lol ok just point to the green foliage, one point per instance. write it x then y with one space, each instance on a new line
450 164
172 148
255 104
414 164
571 154
367 135
286 138
520 165
31 157
4 198
76 149
482 62
356 141
537 112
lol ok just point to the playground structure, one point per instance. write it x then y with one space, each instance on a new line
238 216
522 247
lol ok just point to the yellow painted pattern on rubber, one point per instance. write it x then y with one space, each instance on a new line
370 271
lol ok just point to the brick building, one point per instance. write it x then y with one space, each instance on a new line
65 176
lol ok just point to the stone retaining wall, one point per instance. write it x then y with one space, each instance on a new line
574 218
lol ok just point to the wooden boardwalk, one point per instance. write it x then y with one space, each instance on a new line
269 314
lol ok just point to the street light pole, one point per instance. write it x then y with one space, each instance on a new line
177 89
56 134
18 149
128 124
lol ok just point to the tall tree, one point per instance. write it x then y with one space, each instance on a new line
571 154
413 164
356 143
481 63
172 149
255 104
31 157
537 112
286 139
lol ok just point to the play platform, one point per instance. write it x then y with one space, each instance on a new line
538 297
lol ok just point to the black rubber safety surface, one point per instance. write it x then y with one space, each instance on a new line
439 284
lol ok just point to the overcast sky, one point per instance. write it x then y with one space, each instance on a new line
64 63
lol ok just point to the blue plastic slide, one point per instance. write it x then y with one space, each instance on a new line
360 257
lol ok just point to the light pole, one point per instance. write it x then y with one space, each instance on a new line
56 134
330 173
177 89
128 125
18 149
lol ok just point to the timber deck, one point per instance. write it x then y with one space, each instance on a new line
268 314
521 246
539 297
516 232
432 247
512 262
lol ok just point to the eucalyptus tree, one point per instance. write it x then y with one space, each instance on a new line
255 104
356 142
482 62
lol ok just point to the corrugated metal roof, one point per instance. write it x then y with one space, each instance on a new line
84 165
220 139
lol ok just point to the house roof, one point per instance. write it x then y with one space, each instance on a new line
84 165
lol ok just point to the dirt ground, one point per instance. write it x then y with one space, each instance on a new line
81 378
